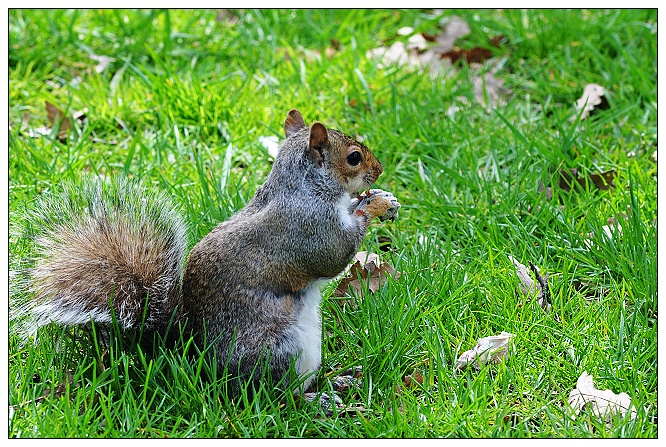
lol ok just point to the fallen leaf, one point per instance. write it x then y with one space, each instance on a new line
385 243
228 15
80 115
55 116
613 230
570 179
530 287
497 40
348 380
102 62
58 391
412 379
327 401
475 55
488 90
437 53
601 403
511 419
603 180
414 53
270 144
366 268
395 54
39 132
414 42
594 98
487 350
454 29
367 257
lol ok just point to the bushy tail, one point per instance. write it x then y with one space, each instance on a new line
98 244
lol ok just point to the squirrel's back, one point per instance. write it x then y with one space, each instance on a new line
101 243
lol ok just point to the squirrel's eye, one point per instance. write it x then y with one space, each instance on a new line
354 158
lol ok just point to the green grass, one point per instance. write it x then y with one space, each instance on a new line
185 92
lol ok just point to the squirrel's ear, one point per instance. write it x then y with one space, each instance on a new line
293 123
318 140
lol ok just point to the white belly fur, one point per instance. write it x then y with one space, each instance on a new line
308 333
342 206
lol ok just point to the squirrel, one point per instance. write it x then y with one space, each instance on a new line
250 288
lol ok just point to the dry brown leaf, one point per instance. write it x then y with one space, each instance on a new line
366 268
228 15
55 115
385 243
498 40
437 53
412 379
570 179
475 55
410 382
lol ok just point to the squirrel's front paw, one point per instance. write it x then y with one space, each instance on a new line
378 203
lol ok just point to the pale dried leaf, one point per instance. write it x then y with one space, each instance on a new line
405 31
593 96
395 54
417 42
487 350
365 268
366 257
488 90
349 380
455 29
270 144
602 403
39 132
327 401
102 62
529 286
614 229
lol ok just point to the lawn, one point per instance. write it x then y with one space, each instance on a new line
484 146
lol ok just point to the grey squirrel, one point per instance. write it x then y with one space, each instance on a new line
250 287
